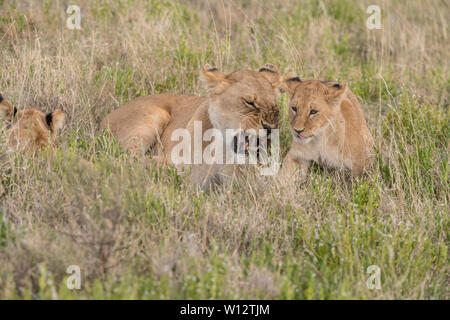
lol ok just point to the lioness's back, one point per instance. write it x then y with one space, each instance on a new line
136 122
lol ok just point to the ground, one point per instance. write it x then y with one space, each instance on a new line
140 232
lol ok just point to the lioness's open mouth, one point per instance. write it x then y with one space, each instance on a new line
241 143
244 143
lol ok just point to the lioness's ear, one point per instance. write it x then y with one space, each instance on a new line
336 91
213 77
6 109
290 82
272 74
55 120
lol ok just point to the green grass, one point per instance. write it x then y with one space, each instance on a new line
139 231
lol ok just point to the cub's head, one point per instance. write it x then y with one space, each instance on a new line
244 99
30 129
313 105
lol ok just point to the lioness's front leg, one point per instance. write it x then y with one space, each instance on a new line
204 176
290 165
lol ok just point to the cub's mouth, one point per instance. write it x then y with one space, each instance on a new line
304 138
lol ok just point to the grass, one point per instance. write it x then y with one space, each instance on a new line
142 232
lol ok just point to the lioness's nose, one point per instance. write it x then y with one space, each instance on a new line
267 127
299 131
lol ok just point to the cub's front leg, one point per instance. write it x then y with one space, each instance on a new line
292 165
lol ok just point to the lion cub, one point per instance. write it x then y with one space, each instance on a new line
327 125
30 129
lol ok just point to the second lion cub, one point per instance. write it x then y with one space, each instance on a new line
328 127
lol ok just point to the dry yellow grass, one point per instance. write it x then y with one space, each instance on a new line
142 232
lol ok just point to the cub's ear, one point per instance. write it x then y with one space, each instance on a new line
290 82
336 91
55 120
272 74
213 77
6 109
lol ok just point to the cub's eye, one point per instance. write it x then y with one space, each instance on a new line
312 111
294 109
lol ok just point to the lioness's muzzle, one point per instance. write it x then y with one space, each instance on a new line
244 142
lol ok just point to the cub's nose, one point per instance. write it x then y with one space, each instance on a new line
299 131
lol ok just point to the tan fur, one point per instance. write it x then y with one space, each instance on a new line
336 136
28 130
148 122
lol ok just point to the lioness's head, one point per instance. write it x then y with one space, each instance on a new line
313 105
30 129
244 99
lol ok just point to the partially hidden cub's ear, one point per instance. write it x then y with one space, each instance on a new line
272 74
55 120
213 77
336 91
6 109
290 82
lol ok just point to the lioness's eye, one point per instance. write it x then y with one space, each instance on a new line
294 109
249 102
312 111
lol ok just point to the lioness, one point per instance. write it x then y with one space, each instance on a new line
328 127
30 129
239 100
